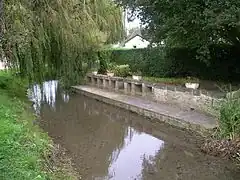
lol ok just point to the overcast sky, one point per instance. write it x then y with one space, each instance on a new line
133 24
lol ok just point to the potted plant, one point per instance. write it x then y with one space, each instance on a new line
94 71
192 83
110 73
137 76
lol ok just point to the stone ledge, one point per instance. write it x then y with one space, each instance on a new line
198 122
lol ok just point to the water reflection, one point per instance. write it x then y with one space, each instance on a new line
45 93
139 148
110 143
102 147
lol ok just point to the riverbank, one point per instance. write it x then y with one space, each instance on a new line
26 151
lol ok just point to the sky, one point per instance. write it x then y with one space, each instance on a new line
133 24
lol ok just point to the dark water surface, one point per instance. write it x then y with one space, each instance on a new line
110 143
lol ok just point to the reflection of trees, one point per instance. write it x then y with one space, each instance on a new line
177 162
95 141
46 93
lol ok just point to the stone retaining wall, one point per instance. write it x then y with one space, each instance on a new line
187 98
177 95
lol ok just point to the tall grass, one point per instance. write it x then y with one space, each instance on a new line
229 121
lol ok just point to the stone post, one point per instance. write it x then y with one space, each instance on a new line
110 83
104 83
144 89
98 82
125 85
133 88
92 80
116 85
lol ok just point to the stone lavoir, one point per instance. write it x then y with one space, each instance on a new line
198 99
177 106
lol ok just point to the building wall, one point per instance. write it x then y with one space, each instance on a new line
137 42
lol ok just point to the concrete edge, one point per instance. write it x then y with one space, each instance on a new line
148 113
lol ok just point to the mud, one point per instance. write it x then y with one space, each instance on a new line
105 142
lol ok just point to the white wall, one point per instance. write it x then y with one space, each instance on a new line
137 42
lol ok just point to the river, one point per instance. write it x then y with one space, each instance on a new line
109 143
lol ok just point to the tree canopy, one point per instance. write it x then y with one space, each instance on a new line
56 37
189 23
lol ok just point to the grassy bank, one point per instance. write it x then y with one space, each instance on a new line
23 146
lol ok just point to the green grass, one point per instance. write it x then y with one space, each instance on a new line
174 81
23 145
13 85
229 121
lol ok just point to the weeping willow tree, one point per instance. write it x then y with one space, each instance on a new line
58 38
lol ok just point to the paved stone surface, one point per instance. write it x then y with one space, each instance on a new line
175 116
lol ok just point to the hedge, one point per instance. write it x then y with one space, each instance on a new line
224 62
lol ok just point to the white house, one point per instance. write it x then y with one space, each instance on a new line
136 41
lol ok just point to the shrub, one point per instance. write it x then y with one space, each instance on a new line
122 70
181 62
103 58
230 118
111 67
14 85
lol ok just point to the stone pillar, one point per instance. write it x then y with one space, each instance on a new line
116 85
110 84
104 83
98 82
144 89
92 81
133 88
125 85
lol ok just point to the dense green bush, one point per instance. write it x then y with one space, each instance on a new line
104 61
12 84
223 64
230 118
122 70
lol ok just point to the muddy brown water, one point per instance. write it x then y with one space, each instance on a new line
108 143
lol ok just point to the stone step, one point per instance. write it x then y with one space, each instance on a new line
188 119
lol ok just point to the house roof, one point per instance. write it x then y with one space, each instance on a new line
135 33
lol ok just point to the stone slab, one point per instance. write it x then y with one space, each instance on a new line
173 115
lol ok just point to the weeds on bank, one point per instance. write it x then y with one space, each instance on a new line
229 121
227 141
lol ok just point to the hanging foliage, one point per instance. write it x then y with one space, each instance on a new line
56 38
